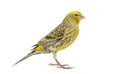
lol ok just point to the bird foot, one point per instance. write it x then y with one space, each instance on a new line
65 67
61 66
58 64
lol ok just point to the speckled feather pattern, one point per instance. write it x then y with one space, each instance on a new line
56 39
59 38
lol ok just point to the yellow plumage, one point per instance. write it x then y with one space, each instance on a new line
60 38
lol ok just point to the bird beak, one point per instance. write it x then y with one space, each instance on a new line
83 17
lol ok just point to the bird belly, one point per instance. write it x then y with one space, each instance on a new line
69 40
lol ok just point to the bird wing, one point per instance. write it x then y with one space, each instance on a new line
57 33
65 41
54 36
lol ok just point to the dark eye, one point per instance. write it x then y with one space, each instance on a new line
76 14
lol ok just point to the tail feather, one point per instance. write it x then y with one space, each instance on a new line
27 56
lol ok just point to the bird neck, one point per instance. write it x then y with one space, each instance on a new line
70 21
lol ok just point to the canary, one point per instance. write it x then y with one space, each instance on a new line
59 38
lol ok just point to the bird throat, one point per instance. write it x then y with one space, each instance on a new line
71 21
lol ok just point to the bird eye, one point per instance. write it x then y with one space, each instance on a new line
76 14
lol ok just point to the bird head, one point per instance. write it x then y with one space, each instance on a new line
73 18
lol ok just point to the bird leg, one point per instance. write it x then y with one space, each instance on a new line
59 64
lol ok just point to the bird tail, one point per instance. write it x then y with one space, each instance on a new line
27 56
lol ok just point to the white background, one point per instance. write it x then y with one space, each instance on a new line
24 22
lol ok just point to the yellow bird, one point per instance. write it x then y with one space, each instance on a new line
59 38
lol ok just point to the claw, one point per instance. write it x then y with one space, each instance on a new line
58 64
66 67
61 66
